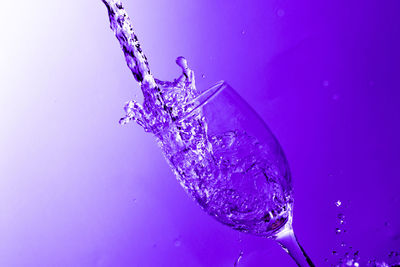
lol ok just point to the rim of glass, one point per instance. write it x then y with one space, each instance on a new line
204 98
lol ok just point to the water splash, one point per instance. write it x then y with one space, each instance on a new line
211 168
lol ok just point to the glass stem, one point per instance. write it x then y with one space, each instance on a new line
287 240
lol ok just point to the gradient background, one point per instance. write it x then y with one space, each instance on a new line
77 189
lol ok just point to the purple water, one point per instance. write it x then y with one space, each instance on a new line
232 178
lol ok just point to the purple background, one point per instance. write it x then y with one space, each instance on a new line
77 189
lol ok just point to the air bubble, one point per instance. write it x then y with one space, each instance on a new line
335 97
280 12
177 242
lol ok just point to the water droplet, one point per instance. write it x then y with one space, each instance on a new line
335 97
325 83
338 203
182 62
338 231
341 218
356 264
203 76
343 244
134 200
280 12
124 120
238 259
177 242
243 32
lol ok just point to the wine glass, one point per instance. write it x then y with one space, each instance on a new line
229 162
221 151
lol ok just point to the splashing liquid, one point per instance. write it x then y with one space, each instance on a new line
209 167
